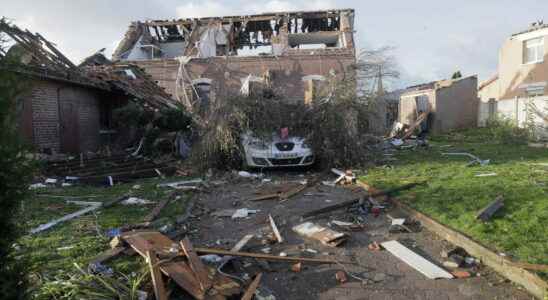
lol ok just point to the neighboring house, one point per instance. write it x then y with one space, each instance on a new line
68 108
452 104
521 84
204 59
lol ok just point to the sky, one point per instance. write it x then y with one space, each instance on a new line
431 38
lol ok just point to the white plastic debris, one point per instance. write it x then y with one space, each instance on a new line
282 254
396 142
66 184
243 213
328 183
65 248
486 175
398 222
136 187
341 223
265 180
246 174
37 186
136 201
51 181
211 258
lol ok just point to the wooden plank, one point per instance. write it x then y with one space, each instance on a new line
268 257
421 118
157 281
416 261
196 264
156 210
181 273
531 282
248 295
275 229
64 218
535 267
108 254
487 212
354 201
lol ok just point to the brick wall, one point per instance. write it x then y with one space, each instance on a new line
227 72
47 98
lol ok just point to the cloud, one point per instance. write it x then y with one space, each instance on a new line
200 9
213 8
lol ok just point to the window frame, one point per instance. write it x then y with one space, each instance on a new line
539 45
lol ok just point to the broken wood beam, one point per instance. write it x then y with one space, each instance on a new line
528 266
250 292
157 281
298 189
354 201
275 229
196 264
487 212
156 210
107 255
267 256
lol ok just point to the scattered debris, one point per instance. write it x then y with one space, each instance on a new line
296 267
416 261
35 186
248 295
181 185
243 213
325 235
487 212
355 201
461 274
341 276
344 177
157 282
136 201
246 174
475 159
269 257
374 246
224 212
275 230
486 174
65 218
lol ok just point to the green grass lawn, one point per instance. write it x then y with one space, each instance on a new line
53 252
454 194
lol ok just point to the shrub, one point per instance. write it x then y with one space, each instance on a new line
505 131
15 175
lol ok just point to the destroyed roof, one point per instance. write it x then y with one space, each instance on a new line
533 27
133 81
36 56
254 17
136 31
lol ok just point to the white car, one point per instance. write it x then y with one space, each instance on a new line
277 152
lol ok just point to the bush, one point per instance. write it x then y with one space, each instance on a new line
505 131
15 175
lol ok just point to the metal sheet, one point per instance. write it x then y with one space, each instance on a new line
416 261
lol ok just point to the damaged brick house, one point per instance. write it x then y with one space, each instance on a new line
202 59
68 108
452 104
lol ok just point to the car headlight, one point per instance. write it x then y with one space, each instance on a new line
258 145
305 145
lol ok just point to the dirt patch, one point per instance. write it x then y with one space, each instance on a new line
386 277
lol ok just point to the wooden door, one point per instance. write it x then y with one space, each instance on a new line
68 114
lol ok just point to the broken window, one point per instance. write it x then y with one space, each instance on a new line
314 86
533 50
202 93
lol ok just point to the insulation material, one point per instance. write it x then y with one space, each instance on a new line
209 40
